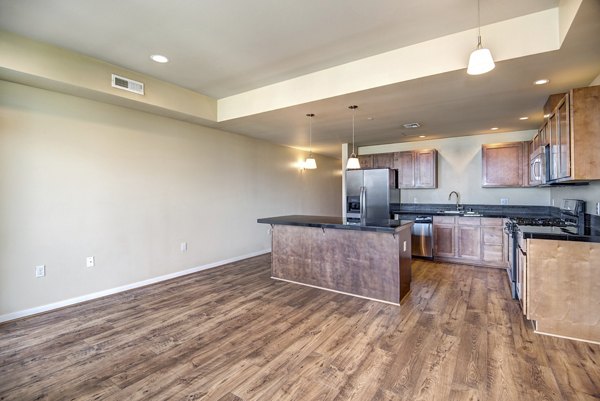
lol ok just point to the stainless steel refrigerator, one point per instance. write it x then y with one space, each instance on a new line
369 193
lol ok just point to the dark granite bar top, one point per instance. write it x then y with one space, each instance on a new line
383 226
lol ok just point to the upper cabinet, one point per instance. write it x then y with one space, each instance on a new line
366 161
573 133
417 168
505 164
383 160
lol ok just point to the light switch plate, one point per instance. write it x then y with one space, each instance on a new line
89 261
504 201
40 271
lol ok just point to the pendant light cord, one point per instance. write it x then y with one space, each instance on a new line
353 108
479 46
353 112
310 117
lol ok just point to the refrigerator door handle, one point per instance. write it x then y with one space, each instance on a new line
363 205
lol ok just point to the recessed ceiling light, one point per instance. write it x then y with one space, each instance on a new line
411 125
159 58
541 81
546 115
422 136
523 118
370 118
494 128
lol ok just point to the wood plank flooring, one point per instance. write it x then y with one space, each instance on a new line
233 334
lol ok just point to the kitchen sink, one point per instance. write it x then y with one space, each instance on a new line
460 213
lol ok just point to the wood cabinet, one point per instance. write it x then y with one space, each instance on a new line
505 164
416 169
493 246
541 138
383 160
444 243
560 147
470 240
573 132
366 161
562 290
468 235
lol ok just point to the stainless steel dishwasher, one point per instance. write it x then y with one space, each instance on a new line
422 237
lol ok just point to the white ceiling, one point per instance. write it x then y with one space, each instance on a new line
222 48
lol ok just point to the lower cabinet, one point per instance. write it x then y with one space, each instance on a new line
444 244
470 240
468 234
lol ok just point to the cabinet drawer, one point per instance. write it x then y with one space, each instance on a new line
469 221
492 235
444 219
492 221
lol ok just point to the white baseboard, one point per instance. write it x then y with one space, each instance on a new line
71 301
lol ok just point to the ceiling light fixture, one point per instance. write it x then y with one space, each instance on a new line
494 128
310 163
523 118
159 58
422 136
353 162
481 60
541 81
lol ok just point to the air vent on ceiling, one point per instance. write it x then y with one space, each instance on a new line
412 125
127 84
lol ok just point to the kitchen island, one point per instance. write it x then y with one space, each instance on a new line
370 259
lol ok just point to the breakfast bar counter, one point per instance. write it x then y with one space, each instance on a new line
368 259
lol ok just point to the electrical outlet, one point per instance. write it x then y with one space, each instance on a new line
504 201
404 246
89 261
183 247
40 271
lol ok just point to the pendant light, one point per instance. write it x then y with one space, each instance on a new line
310 163
353 162
481 60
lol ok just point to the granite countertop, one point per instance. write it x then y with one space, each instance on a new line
410 211
384 226
557 233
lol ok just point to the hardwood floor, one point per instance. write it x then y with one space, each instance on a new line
233 334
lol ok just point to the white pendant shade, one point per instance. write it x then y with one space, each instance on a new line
480 62
353 163
310 163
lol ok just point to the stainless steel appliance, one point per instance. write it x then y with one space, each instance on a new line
571 219
537 166
369 193
422 237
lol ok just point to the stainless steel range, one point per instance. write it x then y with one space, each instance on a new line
571 220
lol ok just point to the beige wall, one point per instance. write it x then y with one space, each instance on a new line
82 178
589 193
459 169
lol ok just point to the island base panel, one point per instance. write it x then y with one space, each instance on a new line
369 264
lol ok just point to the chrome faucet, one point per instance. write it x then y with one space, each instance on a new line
458 207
